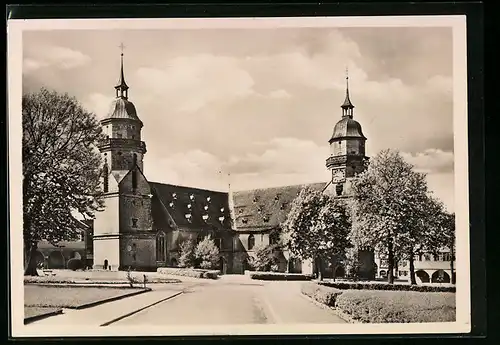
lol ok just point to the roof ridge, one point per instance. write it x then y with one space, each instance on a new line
187 187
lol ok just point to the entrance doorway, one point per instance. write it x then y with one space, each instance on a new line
222 265
105 264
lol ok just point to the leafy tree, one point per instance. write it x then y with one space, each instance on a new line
61 169
351 262
266 257
389 208
317 228
207 253
187 257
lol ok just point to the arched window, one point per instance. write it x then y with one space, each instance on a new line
160 247
251 242
105 173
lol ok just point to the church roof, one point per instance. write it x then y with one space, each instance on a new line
189 208
122 108
347 128
260 209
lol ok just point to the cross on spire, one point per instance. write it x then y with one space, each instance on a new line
121 87
347 106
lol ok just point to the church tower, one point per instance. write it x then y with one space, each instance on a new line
347 150
123 231
123 147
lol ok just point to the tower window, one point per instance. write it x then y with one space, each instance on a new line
105 178
134 222
339 189
134 179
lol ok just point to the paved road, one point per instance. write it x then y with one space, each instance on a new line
235 302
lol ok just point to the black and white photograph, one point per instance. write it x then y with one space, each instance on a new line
238 176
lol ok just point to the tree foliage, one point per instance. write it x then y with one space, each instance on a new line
207 253
61 168
187 257
393 211
317 227
266 257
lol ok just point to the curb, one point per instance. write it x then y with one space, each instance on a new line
140 309
31 319
111 299
335 311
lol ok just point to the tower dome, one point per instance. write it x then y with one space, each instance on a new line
347 128
122 108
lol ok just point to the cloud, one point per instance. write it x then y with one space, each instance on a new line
98 103
431 161
53 56
279 94
190 83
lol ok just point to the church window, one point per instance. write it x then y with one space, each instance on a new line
134 179
134 222
105 178
266 219
339 189
427 257
244 220
160 247
251 242
261 238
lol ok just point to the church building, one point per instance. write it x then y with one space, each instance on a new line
144 222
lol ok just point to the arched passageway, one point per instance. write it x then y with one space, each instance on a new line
423 276
440 276
56 260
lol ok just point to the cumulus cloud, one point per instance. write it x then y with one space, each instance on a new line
193 82
98 103
55 56
431 160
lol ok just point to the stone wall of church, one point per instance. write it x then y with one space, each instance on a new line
122 129
123 159
107 250
135 204
107 221
138 252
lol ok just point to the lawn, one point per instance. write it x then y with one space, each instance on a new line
38 311
70 297
397 306
375 306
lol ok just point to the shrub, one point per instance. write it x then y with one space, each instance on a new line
189 272
388 287
187 256
279 276
266 257
321 294
397 306
75 264
207 253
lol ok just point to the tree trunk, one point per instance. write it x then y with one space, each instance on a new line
31 266
413 279
319 267
390 273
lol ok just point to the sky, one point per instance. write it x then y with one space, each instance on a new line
261 104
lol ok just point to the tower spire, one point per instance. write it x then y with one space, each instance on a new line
121 87
347 107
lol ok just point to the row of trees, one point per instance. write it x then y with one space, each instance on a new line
391 211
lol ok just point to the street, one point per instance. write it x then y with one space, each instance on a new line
235 301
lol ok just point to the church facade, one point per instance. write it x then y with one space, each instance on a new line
144 222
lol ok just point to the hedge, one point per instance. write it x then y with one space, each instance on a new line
189 272
386 286
279 276
397 306
386 306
